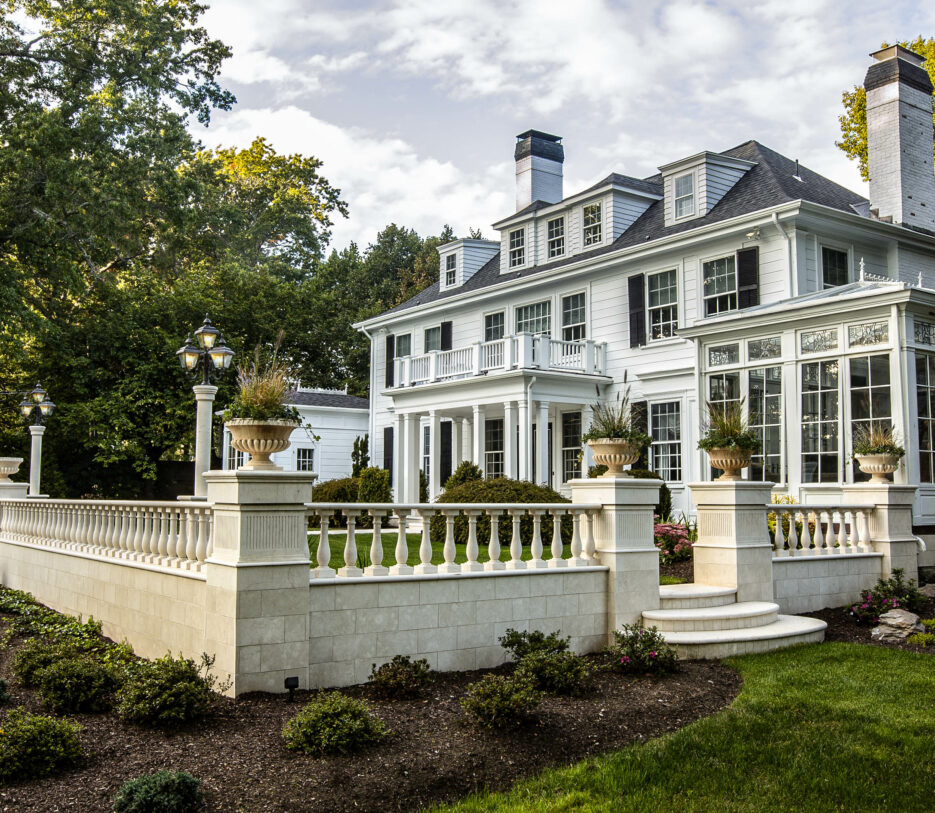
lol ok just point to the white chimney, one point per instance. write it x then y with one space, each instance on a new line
899 138
539 158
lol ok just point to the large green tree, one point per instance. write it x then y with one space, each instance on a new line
854 119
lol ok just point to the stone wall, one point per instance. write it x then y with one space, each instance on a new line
809 583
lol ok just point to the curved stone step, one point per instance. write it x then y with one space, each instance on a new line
685 596
742 615
787 630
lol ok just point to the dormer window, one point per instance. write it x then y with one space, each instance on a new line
517 248
451 263
556 237
684 195
592 224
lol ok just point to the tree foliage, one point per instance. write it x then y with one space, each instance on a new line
854 119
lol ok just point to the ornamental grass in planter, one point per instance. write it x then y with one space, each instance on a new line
728 439
613 436
876 451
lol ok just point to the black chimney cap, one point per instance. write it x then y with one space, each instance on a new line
544 145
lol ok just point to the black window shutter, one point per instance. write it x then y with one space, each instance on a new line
444 452
748 277
388 451
640 411
390 355
635 288
446 336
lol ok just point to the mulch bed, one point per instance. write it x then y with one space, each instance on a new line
681 570
433 754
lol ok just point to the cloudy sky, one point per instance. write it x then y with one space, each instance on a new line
414 105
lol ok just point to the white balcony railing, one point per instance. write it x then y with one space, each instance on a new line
819 530
518 352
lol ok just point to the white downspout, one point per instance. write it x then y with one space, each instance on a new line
790 259
370 418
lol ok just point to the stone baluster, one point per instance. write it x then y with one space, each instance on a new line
471 549
425 545
376 567
842 532
820 546
557 559
201 548
864 530
805 540
152 543
323 559
493 545
449 550
191 542
402 566
516 541
535 547
577 558
162 535
590 547
172 533
350 546
138 513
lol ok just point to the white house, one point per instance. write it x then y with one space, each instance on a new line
331 421
729 275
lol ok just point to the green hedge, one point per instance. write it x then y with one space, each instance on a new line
501 490
344 489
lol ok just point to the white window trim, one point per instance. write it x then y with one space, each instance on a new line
483 322
679 313
820 262
588 246
437 326
693 174
445 271
396 339
535 301
561 299
700 284
509 260
564 251
684 460
316 460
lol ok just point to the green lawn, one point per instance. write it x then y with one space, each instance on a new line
818 728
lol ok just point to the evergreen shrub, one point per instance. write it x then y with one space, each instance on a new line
33 746
168 692
401 678
160 792
496 701
333 723
76 684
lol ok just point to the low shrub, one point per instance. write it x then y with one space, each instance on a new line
556 672
333 723
929 623
33 746
38 654
922 639
374 486
168 692
4 694
641 651
160 792
894 593
76 684
496 701
521 644
401 678
344 489
467 472
500 490
673 541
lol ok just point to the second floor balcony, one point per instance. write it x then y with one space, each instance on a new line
522 351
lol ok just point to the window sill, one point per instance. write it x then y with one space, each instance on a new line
667 342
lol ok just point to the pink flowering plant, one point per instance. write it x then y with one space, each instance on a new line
894 593
674 542
640 651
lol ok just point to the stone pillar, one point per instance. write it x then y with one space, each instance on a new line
623 535
35 460
204 398
733 547
509 440
543 464
257 578
524 438
434 456
8 489
479 438
399 458
890 524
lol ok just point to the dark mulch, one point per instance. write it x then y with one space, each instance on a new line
681 570
433 755
841 627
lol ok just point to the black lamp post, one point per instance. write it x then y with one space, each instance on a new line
36 407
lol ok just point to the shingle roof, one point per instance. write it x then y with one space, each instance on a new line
771 182
339 400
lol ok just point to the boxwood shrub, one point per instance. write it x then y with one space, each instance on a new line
343 489
160 792
167 692
33 746
501 490
37 654
333 723
497 701
76 684
401 678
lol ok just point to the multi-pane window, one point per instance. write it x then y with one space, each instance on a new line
870 396
573 318
493 448
493 326
764 402
535 318
451 266
684 195
403 345
833 267
235 459
592 224
556 237
517 248
723 388
663 304
720 286
571 446
433 339
768 348
304 459
427 451
925 395
820 426
665 426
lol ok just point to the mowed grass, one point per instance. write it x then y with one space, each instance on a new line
827 727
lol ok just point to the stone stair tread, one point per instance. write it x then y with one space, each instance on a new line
742 609
691 590
785 626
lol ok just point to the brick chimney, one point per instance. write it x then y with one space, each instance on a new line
899 138
539 158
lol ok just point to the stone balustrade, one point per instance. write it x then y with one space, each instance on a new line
546 521
168 534
819 530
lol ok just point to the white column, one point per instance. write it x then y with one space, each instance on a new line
456 443
588 460
411 464
509 440
399 458
479 437
35 459
204 398
434 433
543 467
524 433
466 444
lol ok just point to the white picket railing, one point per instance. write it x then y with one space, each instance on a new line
454 363
581 544
567 355
170 534
492 354
819 530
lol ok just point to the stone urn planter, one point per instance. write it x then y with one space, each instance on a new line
730 461
615 454
9 466
877 465
260 439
